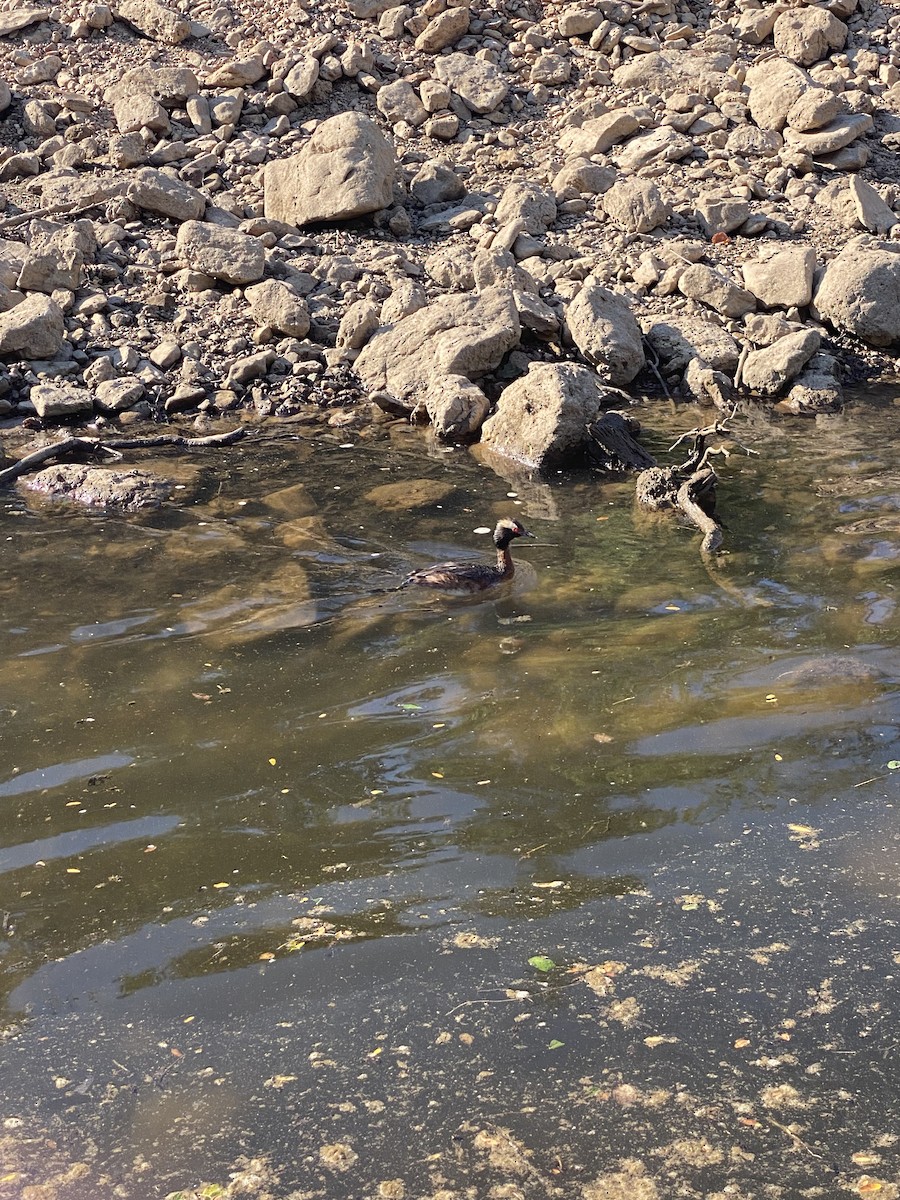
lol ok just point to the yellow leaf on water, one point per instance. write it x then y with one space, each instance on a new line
73 870
272 762
378 1050
437 774
803 830
778 758
556 883
221 885
868 1185
267 956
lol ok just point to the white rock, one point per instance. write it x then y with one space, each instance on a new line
604 329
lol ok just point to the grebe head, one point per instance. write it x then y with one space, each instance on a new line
506 530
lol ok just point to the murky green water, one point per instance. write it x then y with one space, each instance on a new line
278 843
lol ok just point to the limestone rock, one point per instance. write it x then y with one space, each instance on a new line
677 340
817 389
56 401
702 283
345 170
721 215
659 145
541 418
837 134
443 30
529 203
636 205
118 395
301 78
599 134
456 406
100 487
872 211
357 325
33 329
399 102
783 279
477 83
160 193
456 335
767 371
154 20
225 254
859 293
814 108
436 183
604 329
775 86
806 35
277 305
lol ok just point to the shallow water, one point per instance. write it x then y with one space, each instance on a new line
279 842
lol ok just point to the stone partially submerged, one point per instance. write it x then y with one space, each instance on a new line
541 419
100 487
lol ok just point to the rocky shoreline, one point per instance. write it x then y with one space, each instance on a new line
496 219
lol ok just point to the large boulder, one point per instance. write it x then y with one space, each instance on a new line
541 419
860 294
677 340
345 170
457 336
636 205
157 192
604 329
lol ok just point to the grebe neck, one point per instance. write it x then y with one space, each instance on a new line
505 564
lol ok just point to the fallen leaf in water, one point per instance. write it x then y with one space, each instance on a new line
221 885
603 738
175 1052
658 1039
868 1185
266 956
272 762
201 696
73 870
894 764
803 830
865 1158
541 962
554 883
410 707
555 1045
740 1043
278 1081
149 849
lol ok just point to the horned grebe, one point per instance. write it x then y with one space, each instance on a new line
473 577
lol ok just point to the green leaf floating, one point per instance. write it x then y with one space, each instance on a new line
541 962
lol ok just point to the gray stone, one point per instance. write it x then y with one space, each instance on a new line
636 205
157 192
345 170
541 418
604 329
56 401
455 406
530 203
477 83
783 279
398 102
860 293
817 389
100 487
278 306
154 20
661 144
775 85
766 371
225 254
873 212
117 395
677 340
33 329
806 35
301 78
357 325
700 282
599 134
814 108
443 30
721 215
581 175
436 183
838 133
456 335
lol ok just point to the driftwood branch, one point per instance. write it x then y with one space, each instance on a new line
612 445
690 487
110 448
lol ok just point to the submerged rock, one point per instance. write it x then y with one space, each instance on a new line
100 487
